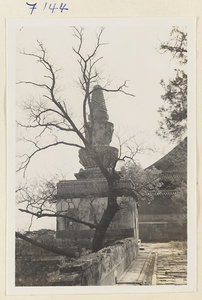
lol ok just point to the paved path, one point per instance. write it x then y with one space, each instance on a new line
158 264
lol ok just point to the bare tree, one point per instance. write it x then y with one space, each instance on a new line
51 115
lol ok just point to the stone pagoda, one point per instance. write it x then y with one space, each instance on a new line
86 197
98 132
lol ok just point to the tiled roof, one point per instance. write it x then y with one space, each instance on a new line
174 161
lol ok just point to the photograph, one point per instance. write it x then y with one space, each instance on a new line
101 155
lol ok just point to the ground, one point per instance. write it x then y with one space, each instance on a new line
158 264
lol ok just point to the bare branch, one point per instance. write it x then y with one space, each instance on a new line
47 247
57 214
47 125
118 89
29 157
34 83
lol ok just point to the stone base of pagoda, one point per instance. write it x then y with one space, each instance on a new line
86 200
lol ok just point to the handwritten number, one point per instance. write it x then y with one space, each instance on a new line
45 5
32 7
52 8
62 7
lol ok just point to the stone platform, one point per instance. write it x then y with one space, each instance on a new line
86 200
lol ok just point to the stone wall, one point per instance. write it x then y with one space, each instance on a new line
161 221
102 268
163 231
37 267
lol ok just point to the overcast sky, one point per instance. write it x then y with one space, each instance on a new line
130 54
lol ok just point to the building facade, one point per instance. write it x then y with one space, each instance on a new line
165 218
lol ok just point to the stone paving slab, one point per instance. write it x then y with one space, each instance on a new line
158 264
134 272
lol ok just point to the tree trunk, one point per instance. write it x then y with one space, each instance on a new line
50 248
102 227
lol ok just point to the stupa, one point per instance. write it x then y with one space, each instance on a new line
98 132
86 197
